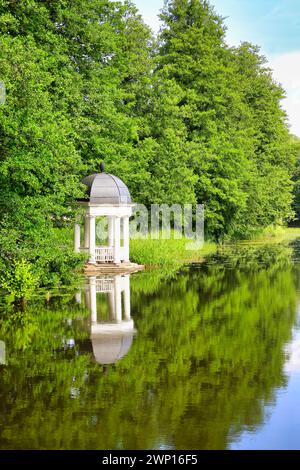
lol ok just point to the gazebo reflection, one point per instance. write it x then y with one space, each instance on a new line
112 328
2 353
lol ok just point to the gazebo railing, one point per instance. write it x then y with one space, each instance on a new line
104 254
104 285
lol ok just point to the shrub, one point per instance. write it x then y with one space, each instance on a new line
19 281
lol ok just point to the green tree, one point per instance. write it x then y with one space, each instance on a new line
181 119
72 72
295 142
236 135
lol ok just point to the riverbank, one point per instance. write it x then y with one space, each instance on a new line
274 235
172 253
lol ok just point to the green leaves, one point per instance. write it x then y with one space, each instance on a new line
181 118
238 141
20 281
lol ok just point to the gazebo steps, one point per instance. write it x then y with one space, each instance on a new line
111 268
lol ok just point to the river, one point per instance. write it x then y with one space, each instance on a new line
207 357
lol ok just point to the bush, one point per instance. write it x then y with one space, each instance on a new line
19 281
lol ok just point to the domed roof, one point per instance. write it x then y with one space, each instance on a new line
108 349
104 188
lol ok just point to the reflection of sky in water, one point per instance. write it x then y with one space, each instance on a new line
293 351
280 430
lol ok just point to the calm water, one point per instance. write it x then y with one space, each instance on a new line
205 358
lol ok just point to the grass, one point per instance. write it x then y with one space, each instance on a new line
275 234
170 253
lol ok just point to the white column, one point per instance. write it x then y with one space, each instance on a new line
93 299
92 238
110 231
117 240
76 238
86 231
87 298
112 307
78 297
126 238
2 352
127 297
118 299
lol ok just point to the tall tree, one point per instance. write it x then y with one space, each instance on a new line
236 133
72 74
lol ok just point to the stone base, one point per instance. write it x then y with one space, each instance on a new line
111 268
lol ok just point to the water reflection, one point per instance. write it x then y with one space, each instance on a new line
2 352
112 336
292 364
280 427
206 366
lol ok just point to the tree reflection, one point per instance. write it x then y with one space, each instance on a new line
209 354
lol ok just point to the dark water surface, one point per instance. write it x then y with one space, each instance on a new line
205 358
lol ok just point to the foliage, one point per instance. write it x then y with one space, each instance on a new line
180 118
235 130
19 281
295 142
68 106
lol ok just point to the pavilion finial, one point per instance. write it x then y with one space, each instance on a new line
102 167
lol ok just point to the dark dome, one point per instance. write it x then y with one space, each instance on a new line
104 188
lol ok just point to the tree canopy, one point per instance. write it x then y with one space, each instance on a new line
180 118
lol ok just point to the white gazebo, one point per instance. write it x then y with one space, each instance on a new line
107 198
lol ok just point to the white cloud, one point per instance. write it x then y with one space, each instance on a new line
241 27
286 69
150 12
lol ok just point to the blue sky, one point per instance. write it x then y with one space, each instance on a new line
272 24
